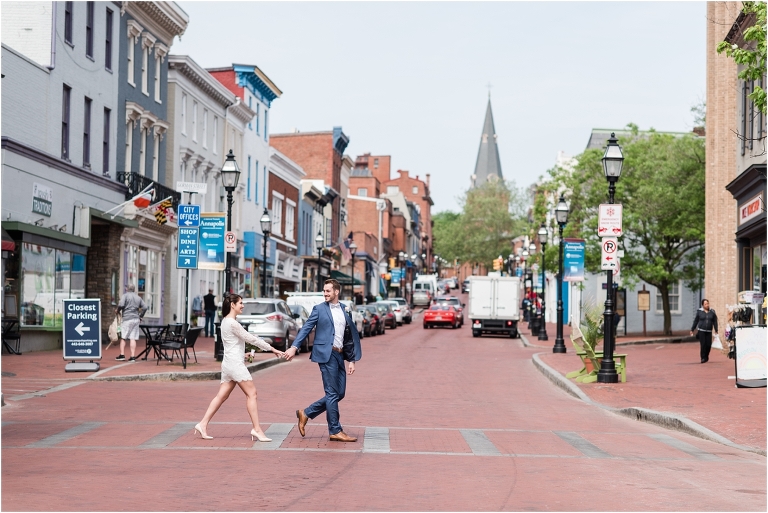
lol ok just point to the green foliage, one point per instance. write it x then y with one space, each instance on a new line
447 235
662 192
592 324
751 55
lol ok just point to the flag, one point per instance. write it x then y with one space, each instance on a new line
143 200
345 251
162 211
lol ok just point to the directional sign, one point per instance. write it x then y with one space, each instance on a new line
230 242
82 329
189 215
609 220
196 187
188 248
609 259
212 229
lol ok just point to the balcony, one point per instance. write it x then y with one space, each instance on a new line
137 183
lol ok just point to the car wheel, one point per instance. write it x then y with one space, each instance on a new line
425 325
475 333
287 343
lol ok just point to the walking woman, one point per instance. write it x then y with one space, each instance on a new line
705 321
233 369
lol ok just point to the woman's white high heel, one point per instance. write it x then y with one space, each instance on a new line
204 436
256 436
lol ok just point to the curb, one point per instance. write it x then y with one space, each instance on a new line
662 419
669 340
187 376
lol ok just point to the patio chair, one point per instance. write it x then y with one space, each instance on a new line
182 347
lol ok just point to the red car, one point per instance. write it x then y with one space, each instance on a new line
441 315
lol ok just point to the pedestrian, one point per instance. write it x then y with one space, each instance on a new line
133 309
209 304
705 321
233 369
336 340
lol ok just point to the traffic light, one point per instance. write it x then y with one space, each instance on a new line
496 264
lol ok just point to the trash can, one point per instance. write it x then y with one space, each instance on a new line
535 324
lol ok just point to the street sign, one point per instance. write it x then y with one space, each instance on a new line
609 221
188 247
211 252
573 261
189 215
230 242
609 258
81 333
194 187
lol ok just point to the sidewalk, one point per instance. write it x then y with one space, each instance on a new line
38 371
667 385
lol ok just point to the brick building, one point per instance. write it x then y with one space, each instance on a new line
417 191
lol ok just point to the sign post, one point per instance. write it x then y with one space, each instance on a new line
644 303
81 334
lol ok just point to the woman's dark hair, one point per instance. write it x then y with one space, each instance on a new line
702 301
227 305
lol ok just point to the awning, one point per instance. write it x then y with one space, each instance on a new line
8 244
344 279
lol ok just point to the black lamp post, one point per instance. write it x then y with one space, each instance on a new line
401 261
613 159
266 227
424 260
413 271
230 174
352 251
561 215
319 243
543 235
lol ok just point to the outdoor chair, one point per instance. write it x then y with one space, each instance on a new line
183 346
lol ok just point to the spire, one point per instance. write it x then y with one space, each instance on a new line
488 163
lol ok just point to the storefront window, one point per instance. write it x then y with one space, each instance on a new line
48 277
144 272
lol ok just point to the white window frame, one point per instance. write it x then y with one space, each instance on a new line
215 135
277 213
660 304
415 189
129 145
194 120
143 152
157 78
151 292
144 65
156 158
392 189
183 113
290 216
362 191
205 128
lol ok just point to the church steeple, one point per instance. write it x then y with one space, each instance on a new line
488 163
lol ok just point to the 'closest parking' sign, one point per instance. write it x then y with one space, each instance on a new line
82 329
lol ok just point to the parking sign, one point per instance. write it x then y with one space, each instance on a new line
82 329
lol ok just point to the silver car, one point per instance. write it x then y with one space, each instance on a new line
303 315
270 319
357 316
399 313
407 314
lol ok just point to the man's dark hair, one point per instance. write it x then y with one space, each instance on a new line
334 283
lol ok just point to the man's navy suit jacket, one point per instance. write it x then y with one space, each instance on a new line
322 318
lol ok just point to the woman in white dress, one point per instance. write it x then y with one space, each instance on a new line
233 369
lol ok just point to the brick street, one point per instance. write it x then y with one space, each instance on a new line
445 422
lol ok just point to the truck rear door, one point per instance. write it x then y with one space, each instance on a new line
480 299
506 300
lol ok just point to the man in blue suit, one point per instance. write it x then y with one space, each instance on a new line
336 340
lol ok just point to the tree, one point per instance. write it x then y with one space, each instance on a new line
446 235
752 53
662 192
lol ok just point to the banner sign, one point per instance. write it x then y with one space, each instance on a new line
751 345
396 273
211 252
82 329
573 259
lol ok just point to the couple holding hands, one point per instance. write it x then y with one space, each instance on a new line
336 340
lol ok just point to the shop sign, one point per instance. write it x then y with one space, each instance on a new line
188 248
211 246
42 199
751 209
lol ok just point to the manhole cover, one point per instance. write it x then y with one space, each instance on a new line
8 374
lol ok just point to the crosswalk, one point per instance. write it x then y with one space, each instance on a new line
372 440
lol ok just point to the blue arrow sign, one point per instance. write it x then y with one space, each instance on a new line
82 329
188 248
189 215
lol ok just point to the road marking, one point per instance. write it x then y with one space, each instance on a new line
278 433
684 446
42 393
586 447
376 439
168 436
479 443
66 435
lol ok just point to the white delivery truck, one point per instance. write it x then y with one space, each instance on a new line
494 305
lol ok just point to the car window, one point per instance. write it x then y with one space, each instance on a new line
436 307
297 309
258 308
401 302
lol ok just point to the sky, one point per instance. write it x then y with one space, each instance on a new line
411 79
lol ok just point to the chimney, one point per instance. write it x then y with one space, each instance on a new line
699 130
427 180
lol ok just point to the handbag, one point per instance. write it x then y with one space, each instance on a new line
114 331
716 343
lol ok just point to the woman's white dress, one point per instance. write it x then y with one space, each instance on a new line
234 337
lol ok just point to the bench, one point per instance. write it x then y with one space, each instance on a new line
591 362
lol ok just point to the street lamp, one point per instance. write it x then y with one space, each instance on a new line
561 216
401 261
613 159
230 174
319 243
266 226
543 239
424 260
352 251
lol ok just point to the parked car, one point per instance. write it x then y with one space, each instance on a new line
452 282
303 315
441 315
465 286
453 301
396 308
387 314
406 309
442 286
271 319
377 318
423 292
356 315
370 326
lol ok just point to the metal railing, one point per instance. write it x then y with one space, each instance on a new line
137 183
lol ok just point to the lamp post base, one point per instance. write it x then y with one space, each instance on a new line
559 346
